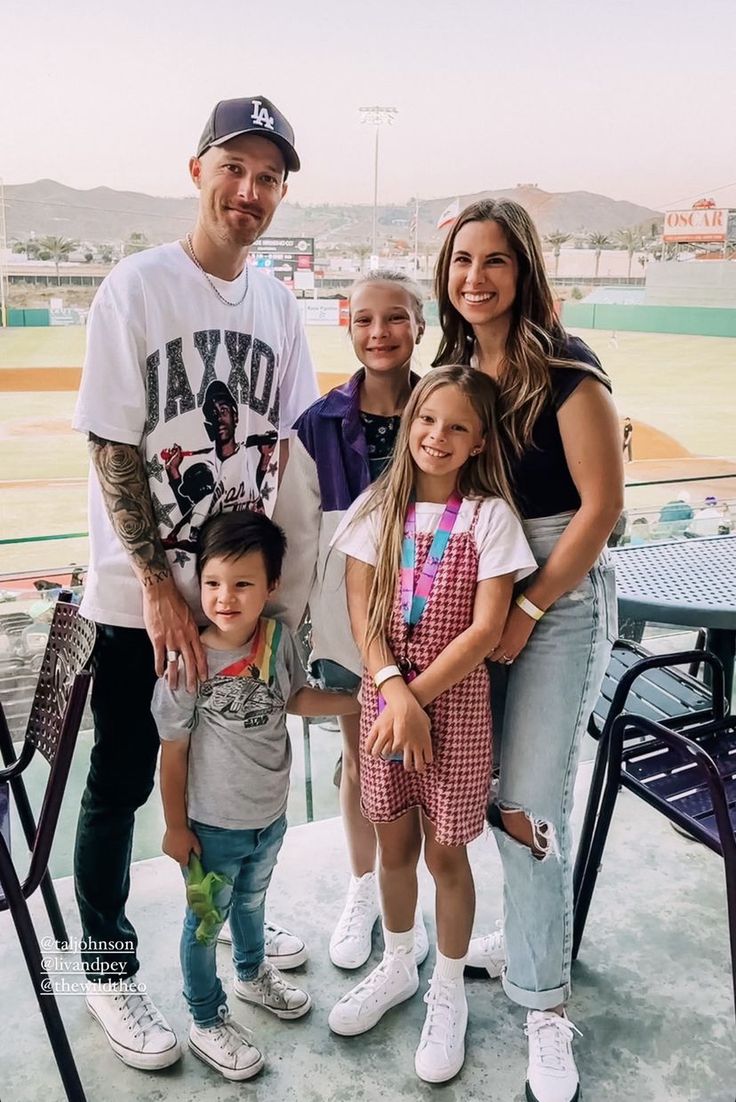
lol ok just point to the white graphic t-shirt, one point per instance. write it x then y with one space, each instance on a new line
205 390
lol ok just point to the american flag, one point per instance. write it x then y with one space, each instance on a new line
449 214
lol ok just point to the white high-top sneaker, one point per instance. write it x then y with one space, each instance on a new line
352 941
441 1051
421 937
392 982
488 954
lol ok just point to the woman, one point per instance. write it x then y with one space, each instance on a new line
563 446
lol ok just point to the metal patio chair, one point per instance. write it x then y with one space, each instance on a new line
670 740
52 729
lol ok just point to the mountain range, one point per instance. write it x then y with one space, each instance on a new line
103 214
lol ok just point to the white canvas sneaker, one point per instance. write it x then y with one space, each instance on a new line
394 981
283 949
488 954
551 1075
137 1032
352 941
441 1051
421 938
274 992
227 1047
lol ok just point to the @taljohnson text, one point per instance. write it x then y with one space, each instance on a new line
67 974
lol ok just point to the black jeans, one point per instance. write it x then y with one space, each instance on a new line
120 780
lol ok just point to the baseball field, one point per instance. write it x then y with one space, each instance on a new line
678 390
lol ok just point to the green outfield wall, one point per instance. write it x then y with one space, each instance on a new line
702 321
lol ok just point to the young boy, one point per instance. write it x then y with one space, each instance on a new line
225 777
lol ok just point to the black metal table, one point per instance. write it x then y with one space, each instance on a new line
685 582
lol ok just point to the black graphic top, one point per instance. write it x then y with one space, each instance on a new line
380 436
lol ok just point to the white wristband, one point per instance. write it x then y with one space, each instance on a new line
529 607
384 674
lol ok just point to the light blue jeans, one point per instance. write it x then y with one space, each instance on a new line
248 858
540 709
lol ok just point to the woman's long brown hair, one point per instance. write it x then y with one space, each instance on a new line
535 336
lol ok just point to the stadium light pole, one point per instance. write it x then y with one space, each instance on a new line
3 247
376 117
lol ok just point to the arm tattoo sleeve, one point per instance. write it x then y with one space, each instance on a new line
127 498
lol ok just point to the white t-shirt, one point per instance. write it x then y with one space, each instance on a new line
499 536
169 366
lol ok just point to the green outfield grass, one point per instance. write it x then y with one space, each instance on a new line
56 346
682 385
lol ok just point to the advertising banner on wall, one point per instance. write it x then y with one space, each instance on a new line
283 257
320 311
701 225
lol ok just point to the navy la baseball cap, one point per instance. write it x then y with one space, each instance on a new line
252 115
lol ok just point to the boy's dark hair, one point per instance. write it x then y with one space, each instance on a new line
230 535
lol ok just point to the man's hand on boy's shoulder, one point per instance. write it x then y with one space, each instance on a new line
179 842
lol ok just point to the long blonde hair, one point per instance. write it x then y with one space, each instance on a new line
483 475
535 335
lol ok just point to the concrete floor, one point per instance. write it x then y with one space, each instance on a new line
324 749
652 989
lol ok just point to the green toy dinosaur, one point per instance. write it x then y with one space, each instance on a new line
201 891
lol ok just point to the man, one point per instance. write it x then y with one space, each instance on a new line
628 440
173 331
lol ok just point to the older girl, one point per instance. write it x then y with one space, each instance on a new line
343 442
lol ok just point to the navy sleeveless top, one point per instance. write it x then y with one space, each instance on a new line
540 476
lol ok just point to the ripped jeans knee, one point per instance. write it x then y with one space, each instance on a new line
537 834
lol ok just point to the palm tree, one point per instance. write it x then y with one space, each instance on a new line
598 241
28 248
361 251
136 243
56 249
557 240
632 241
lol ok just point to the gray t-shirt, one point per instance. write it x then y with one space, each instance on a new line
239 753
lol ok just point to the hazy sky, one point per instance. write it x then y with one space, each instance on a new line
635 99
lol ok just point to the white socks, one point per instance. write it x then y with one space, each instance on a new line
448 968
395 942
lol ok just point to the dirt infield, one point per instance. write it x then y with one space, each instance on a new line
68 378
40 378
56 426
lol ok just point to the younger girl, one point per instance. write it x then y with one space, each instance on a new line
343 442
434 550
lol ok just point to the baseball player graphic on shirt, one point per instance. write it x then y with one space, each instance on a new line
219 482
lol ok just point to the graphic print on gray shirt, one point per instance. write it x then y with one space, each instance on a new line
239 750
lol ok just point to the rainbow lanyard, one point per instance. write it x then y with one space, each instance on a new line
260 663
414 598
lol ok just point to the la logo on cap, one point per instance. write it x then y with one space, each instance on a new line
261 116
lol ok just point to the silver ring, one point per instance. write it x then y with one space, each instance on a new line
172 656
508 661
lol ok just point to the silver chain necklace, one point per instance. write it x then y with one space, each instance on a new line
222 298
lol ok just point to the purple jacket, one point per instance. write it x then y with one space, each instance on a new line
331 432
327 470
